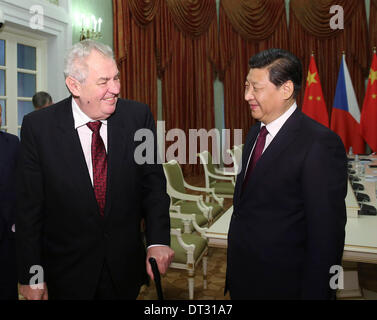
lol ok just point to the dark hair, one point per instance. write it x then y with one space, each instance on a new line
282 66
40 99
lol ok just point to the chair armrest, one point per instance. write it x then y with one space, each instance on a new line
231 172
226 171
183 196
178 233
186 219
191 218
218 199
189 248
207 211
176 209
195 188
218 177
200 230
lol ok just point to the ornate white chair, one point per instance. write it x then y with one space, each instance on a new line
189 249
222 184
236 154
206 212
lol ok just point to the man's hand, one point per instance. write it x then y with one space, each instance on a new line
33 292
163 255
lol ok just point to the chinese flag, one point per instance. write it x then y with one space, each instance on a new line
369 112
314 105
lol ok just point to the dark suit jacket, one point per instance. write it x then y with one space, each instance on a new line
288 226
58 222
9 145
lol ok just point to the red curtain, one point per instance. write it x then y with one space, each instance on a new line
179 42
309 27
246 27
134 47
187 48
373 26
176 40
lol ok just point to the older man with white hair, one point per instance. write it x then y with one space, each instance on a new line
82 195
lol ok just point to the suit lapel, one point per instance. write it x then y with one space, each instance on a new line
119 136
286 135
245 157
75 164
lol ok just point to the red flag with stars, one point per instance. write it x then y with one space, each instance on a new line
314 104
369 111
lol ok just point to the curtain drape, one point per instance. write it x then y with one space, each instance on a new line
310 31
144 11
187 50
180 42
238 42
177 41
253 20
192 17
373 24
314 16
134 47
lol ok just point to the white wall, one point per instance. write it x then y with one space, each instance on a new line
56 30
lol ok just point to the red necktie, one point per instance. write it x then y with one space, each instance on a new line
257 152
99 162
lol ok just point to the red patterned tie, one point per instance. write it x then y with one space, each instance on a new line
257 152
99 162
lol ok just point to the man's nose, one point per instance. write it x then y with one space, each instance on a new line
249 94
114 86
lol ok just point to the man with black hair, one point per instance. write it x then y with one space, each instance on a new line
41 100
288 224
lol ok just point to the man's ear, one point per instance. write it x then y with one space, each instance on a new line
74 86
288 89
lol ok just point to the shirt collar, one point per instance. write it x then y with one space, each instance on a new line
274 126
79 117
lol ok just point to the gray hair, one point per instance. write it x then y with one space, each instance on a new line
75 60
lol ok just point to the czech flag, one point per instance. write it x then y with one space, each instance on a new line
345 117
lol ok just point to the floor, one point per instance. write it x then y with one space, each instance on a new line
175 286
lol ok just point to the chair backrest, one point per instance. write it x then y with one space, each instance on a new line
231 151
237 158
211 167
174 177
206 160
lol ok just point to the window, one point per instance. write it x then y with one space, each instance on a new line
22 74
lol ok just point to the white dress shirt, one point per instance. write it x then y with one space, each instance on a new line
85 134
273 128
